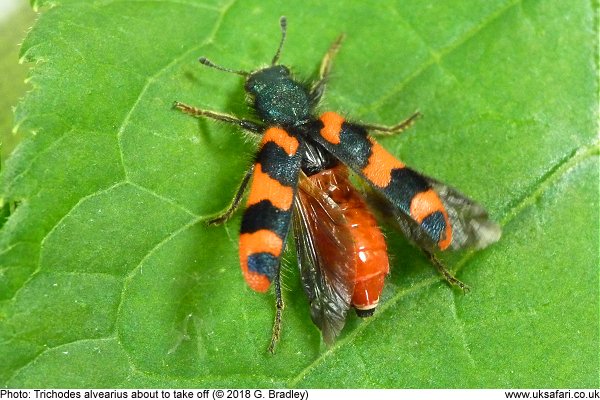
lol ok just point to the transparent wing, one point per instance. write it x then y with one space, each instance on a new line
471 226
325 251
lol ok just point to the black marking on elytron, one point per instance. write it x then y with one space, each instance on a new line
355 145
354 148
435 225
403 186
276 163
264 215
264 264
278 98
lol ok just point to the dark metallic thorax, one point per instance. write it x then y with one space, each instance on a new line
277 98
280 100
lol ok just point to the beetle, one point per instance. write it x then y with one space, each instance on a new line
300 177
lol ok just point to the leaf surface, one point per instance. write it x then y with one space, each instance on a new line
109 276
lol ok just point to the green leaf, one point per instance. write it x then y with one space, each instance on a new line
110 277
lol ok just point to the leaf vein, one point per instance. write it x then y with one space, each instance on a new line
437 57
461 331
138 267
38 155
154 78
48 349
165 199
58 223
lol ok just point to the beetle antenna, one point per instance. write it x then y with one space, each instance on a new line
208 63
283 24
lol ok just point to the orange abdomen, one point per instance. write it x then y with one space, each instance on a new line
370 250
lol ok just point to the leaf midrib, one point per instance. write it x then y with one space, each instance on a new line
436 56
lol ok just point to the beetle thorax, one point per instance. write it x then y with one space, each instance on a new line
277 97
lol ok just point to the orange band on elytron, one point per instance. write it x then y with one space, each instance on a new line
332 126
283 139
266 188
380 165
257 282
426 203
261 241
447 239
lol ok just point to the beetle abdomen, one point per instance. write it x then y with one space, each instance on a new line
370 250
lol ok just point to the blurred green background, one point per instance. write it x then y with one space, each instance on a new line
16 17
